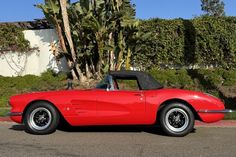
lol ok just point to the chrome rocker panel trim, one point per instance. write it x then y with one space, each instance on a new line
216 111
15 114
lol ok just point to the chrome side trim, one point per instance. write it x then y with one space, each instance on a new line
15 114
216 111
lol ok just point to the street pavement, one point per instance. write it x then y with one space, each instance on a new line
116 141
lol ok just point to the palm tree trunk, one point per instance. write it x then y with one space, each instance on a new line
60 35
92 65
111 54
87 70
63 4
127 60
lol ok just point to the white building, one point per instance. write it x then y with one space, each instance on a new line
40 34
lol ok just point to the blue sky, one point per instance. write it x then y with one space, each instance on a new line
23 10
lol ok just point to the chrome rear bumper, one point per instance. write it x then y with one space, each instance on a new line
216 111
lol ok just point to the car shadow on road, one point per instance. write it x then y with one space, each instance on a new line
111 129
17 127
114 129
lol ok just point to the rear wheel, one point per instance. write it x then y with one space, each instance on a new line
41 118
176 119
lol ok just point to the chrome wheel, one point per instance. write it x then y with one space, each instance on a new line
177 120
40 118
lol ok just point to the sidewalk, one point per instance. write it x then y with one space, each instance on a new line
220 124
5 119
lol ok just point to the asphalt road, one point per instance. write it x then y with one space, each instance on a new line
116 141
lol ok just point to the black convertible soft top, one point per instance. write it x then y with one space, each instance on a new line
145 80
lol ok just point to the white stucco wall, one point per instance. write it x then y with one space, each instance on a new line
19 64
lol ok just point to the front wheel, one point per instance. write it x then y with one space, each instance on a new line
176 119
41 118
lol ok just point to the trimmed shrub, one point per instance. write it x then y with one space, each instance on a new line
173 78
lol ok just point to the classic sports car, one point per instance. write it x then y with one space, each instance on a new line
121 98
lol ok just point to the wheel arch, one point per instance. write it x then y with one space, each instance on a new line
169 101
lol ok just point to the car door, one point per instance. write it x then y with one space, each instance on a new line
84 105
120 107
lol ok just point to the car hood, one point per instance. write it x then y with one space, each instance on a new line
27 97
48 93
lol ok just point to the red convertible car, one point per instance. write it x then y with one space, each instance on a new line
121 98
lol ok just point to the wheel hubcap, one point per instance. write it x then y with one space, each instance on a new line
40 118
177 120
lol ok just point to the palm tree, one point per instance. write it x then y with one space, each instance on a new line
63 7
51 10
97 33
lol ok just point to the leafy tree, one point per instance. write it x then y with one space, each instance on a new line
213 7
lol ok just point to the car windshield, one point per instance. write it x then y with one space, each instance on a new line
103 84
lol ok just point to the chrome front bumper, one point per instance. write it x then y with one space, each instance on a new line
216 111
15 114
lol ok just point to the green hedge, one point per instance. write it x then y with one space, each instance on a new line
202 41
218 82
174 78
16 85
199 79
